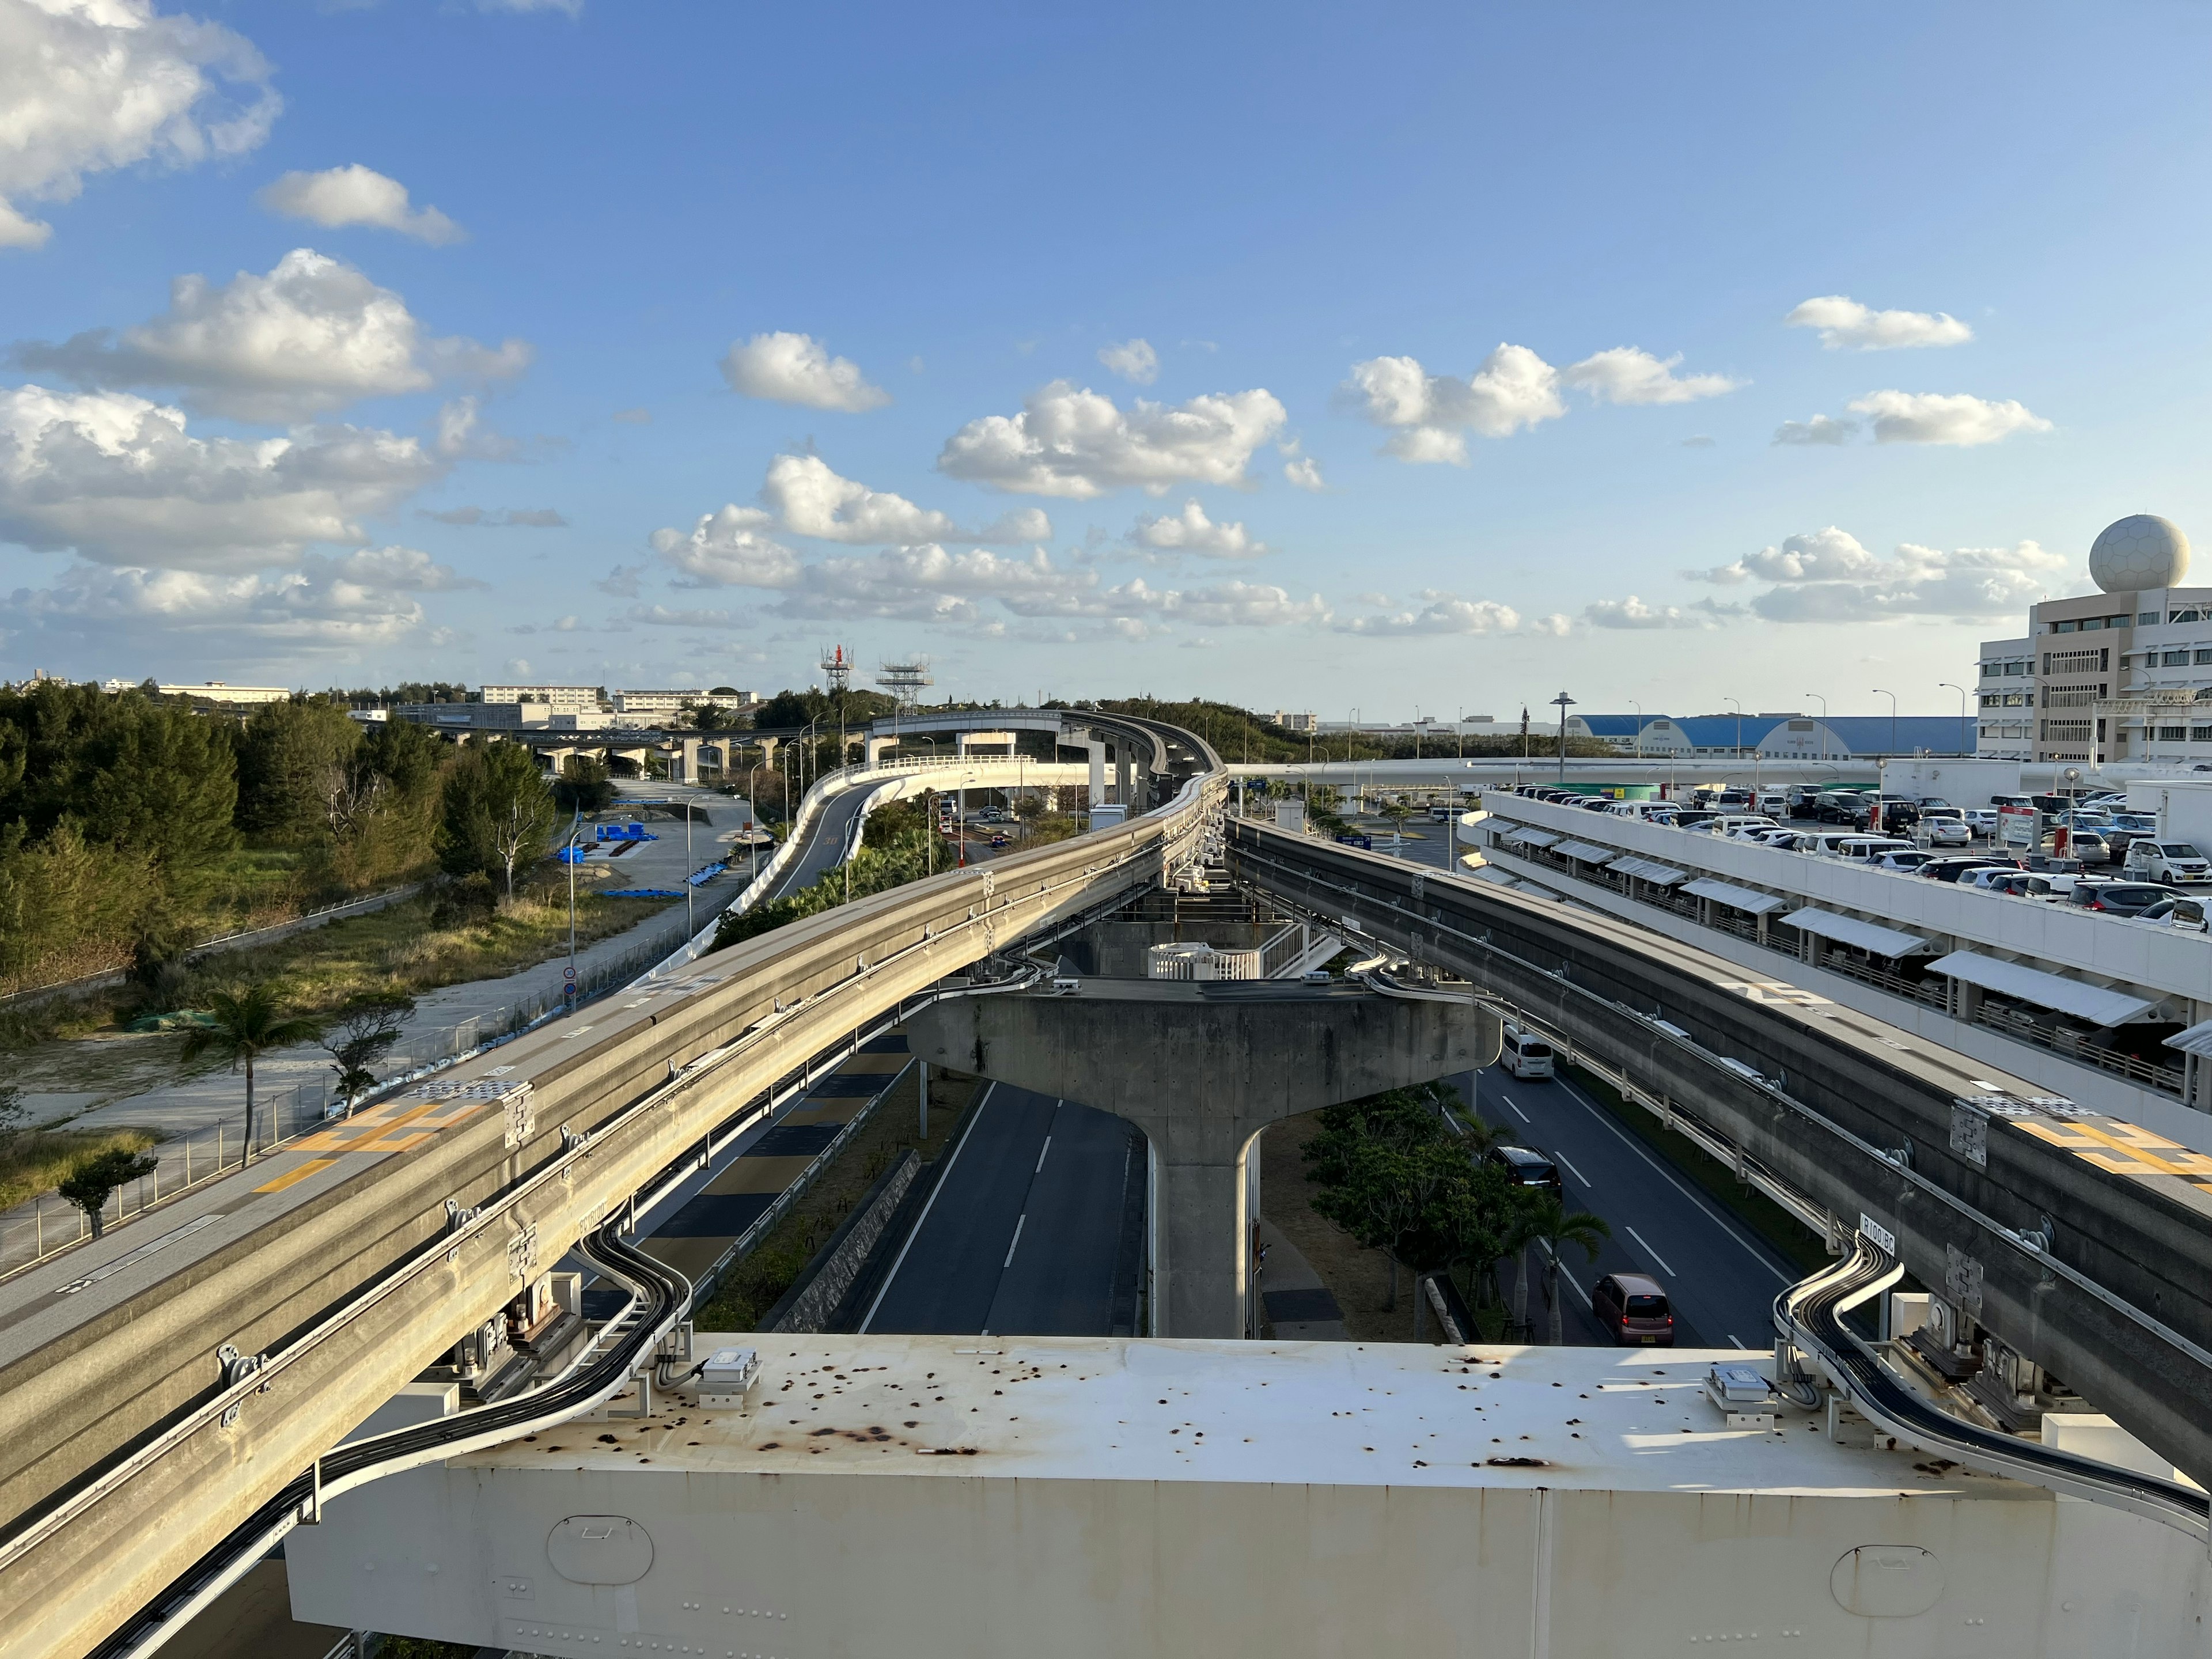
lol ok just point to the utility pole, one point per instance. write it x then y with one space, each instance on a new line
1563 702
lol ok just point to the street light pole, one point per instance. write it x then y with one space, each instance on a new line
1824 726
1961 691
1562 703
1891 695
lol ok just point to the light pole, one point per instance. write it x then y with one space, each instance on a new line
1961 691
1562 703
1739 726
1638 707
568 995
1891 695
1824 726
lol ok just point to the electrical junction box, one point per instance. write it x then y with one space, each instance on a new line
1742 1396
727 1374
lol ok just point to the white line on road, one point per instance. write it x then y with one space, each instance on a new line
1023 1220
891 1278
1576 1173
1734 1340
1654 1254
1518 1112
1042 1151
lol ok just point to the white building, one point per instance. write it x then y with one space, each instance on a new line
216 691
2123 674
563 699
674 702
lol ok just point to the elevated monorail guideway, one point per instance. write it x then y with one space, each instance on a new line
2081 1242
147 1416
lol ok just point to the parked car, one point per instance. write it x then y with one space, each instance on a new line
1525 1055
1949 828
2118 898
2187 914
1982 820
1527 1167
2088 846
1728 823
1981 879
1952 869
998 841
1634 1311
1906 861
2168 861
1872 849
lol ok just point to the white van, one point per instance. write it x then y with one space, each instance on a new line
1525 1055
1729 824
1872 849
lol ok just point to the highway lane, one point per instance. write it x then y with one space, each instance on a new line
1027 1233
1721 1277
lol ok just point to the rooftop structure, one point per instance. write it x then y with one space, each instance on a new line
2139 688
957 1495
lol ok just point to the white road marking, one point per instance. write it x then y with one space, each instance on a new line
1023 1221
1042 1151
1654 1254
891 1278
1573 1172
1734 1340
1518 1112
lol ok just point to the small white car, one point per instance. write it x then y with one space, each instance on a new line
1948 830
1982 820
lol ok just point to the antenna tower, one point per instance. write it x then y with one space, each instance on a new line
837 665
906 680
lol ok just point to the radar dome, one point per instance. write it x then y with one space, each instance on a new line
2137 553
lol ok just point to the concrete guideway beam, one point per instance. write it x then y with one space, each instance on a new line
2095 1271
1202 1070
345 1321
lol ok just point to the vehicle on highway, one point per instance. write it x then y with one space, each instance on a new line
1947 829
2172 862
1525 1055
1317 976
1634 1311
1527 1167
2117 898
1440 814
2187 914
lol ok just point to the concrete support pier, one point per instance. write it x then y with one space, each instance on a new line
1202 1068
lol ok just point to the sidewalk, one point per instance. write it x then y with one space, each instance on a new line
1299 1307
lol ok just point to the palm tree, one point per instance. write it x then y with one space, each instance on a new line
1552 1224
242 1026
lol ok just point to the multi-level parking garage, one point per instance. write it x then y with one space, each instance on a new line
171 1396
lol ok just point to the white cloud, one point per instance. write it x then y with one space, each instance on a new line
1820 430
811 500
1442 613
1625 374
1514 388
518 518
1132 359
312 335
661 616
622 582
796 368
463 435
640 417
1074 443
1192 531
318 608
88 86
1829 576
122 482
356 195
1304 473
400 570
1845 322
726 550
1932 417
565 8
1632 613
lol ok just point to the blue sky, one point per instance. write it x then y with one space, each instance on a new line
889 247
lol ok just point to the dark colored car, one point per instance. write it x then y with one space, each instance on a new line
1952 869
2118 898
1634 1311
1527 1168
998 841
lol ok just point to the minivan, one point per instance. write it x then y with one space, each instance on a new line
1525 1055
1634 1311
1526 1167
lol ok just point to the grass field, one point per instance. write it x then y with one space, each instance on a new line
31 1162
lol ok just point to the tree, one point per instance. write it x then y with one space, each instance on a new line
12 1114
363 1032
1552 1225
585 785
295 782
93 1180
497 812
243 1026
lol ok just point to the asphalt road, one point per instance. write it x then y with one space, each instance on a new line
1721 1277
1027 1233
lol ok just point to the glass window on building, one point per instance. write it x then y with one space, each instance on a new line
2174 659
2204 653
2173 734
2200 734
2148 619
2185 616
2063 626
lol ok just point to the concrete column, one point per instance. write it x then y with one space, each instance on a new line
1097 770
876 747
1204 1199
688 762
1122 777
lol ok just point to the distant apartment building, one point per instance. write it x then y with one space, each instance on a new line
562 699
1290 722
2123 674
674 702
234 695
